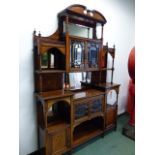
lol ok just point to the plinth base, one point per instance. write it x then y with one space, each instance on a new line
129 131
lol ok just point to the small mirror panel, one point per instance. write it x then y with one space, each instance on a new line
44 60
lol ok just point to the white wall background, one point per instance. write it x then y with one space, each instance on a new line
42 16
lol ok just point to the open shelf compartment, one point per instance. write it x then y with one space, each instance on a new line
87 130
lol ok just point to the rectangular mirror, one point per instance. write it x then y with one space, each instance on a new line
75 80
44 61
78 30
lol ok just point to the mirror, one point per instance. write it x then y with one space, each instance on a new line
78 30
52 59
44 60
77 54
86 77
99 31
93 50
75 80
109 61
111 97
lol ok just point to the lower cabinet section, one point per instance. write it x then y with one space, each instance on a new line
70 122
58 141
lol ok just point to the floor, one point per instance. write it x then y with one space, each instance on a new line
113 143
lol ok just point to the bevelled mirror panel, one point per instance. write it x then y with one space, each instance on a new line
78 30
76 54
93 54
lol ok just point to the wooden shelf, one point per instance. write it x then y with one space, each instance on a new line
59 125
54 94
107 85
101 86
45 71
86 39
87 118
72 70
85 135
105 69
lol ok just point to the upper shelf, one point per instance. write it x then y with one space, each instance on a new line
102 86
49 71
85 39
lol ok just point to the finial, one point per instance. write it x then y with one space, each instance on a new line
106 43
39 34
34 32
114 46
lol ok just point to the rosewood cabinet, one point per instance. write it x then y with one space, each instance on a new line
69 116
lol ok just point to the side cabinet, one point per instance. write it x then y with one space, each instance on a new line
111 107
111 117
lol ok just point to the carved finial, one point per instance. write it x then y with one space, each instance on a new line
114 46
106 43
39 34
34 32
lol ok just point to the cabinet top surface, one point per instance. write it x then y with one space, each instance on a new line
54 94
76 95
87 93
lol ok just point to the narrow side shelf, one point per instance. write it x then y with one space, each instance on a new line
101 86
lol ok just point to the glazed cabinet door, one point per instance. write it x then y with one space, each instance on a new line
81 111
93 50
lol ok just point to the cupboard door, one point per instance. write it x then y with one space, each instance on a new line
111 117
58 142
